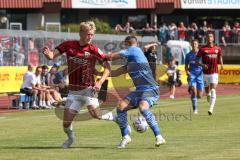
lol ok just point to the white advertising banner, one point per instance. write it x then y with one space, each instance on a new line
210 4
104 4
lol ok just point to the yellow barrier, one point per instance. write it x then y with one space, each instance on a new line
11 77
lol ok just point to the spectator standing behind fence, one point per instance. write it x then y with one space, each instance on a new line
172 76
147 30
19 57
1 53
193 31
172 31
236 32
226 33
203 32
182 31
150 51
127 28
163 32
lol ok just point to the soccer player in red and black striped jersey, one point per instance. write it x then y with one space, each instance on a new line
81 59
210 55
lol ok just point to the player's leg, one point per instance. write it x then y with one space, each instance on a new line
97 113
122 108
193 91
71 109
207 86
213 86
152 122
194 99
69 115
200 86
172 91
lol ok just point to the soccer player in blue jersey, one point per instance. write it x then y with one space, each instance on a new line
145 95
194 72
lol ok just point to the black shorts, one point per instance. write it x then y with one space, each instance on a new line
27 91
171 81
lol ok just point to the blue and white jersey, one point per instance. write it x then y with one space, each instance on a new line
191 61
138 68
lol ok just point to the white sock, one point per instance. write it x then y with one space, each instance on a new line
34 103
48 103
159 136
106 115
44 103
40 103
69 131
212 99
127 136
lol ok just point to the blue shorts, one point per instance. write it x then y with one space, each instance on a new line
148 95
195 81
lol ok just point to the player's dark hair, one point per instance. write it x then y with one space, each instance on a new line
194 40
131 38
44 67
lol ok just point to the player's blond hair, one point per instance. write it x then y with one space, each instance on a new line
88 25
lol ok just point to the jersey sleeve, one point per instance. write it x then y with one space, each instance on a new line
98 53
124 53
63 47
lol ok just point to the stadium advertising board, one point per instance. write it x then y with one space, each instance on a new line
11 77
103 4
210 4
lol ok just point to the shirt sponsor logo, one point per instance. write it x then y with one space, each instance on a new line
212 55
78 60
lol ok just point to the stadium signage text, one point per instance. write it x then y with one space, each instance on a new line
210 4
111 4
230 72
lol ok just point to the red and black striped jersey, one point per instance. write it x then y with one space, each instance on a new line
210 56
81 63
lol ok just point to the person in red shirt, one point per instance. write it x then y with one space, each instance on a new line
210 55
81 59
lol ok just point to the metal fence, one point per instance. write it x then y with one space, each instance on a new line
23 47
19 48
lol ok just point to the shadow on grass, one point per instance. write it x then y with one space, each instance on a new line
52 147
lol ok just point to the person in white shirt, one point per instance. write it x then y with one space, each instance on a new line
28 85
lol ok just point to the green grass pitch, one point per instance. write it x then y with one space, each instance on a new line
38 135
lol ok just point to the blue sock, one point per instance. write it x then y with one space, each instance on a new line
122 122
150 118
194 102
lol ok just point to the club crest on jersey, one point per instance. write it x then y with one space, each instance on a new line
86 54
216 51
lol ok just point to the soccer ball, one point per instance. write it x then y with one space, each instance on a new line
140 124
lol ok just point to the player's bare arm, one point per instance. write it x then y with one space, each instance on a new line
146 47
50 54
187 69
104 76
113 56
204 66
221 62
118 72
